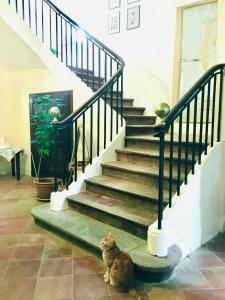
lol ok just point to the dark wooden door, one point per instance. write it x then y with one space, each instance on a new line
64 138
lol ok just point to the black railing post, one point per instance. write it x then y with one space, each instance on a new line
161 176
171 164
121 104
220 105
55 161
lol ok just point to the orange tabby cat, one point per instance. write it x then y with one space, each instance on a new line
119 265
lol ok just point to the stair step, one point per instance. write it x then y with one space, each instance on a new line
126 102
144 174
129 217
144 156
139 129
127 110
80 71
92 79
90 231
140 120
151 142
125 190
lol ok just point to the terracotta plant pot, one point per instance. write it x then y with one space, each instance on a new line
44 188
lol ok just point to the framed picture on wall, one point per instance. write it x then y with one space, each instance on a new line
114 23
133 17
114 4
132 1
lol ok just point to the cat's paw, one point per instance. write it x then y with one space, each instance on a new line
106 279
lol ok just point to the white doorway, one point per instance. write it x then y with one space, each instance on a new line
198 45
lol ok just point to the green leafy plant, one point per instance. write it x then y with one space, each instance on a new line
41 124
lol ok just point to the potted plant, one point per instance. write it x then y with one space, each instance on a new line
47 110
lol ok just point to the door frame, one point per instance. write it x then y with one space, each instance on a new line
178 47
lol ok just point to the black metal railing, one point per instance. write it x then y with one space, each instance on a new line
193 125
98 66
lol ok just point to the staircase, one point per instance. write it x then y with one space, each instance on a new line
132 191
123 200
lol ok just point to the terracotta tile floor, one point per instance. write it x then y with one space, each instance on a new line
36 264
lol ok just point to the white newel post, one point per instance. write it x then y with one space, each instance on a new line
157 241
58 201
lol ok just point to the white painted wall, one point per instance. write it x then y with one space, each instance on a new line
198 214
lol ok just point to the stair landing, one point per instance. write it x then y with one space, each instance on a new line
90 231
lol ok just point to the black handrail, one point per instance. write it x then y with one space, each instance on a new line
202 108
95 63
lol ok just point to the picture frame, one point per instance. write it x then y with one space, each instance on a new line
114 23
114 4
132 1
133 17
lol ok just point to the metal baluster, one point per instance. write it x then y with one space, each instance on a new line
105 67
93 65
194 134
99 67
121 104
71 46
105 118
23 13
117 104
179 155
42 20
55 161
82 59
66 43
36 27
98 127
91 133
111 103
75 151
56 35
161 178
61 32
76 46
187 144
201 125
213 109
111 113
16 6
83 144
29 13
207 117
9 2
220 106
87 62
171 165
50 28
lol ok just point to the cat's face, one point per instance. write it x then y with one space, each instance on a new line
107 243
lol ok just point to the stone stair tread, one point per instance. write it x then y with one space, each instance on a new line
129 187
135 213
90 231
132 107
142 117
150 169
149 152
139 126
151 138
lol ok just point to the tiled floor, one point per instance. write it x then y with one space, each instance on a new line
36 264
